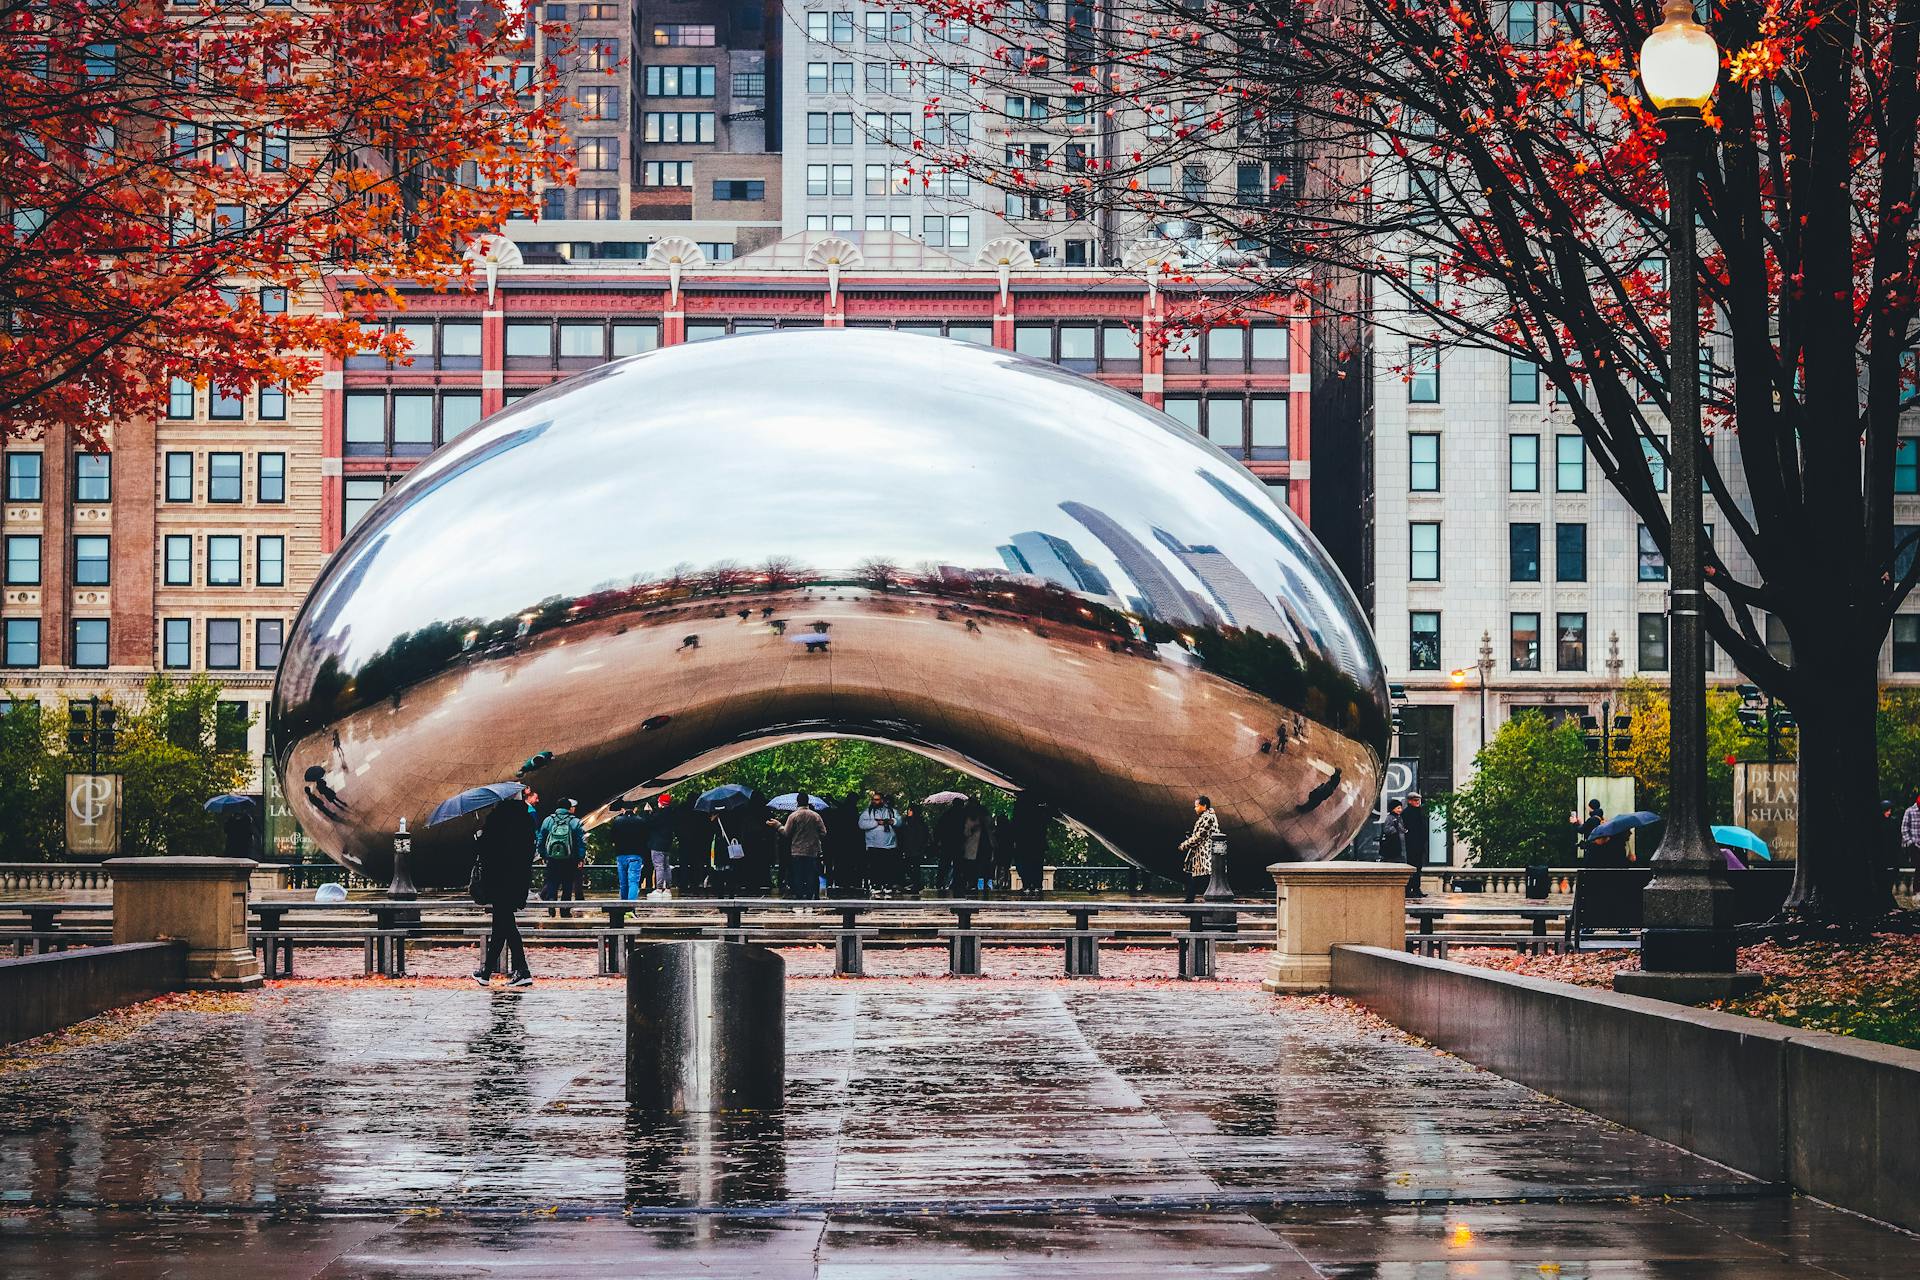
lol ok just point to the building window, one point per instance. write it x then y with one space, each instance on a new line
223 644
530 340
1523 381
1906 642
357 498
92 477
176 644
179 477
179 561
1570 552
582 340
1078 343
680 82
667 173
599 54
269 635
683 35
678 126
460 345
89 642
1569 464
459 414
1423 278
1423 546
230 720
1523 637
1423 462
1423 373
273 403
741 188
1267 423
1119 348
1183 409
1423 642
92 561
23 477
1779 645
225 405
1523 553
224 479
598 204
223 561
270 561
632 339
1523 463
23 560
1272 351
179 398
273 477
1653 565
1653 642
366 422
1523 21
1906 465
23 642
749 84
413 422
817 180
1571 645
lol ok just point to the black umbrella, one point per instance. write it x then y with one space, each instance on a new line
473 801
724 798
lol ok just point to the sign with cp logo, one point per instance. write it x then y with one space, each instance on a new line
93 813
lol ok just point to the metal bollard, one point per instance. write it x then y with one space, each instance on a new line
706 1027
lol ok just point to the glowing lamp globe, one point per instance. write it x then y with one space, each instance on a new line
1679 63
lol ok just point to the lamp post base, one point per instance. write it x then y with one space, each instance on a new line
1686 988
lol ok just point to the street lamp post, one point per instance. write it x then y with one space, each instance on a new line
1687 948
1485 667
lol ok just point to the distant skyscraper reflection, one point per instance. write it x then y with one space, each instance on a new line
1241 603
1157 590
1056 560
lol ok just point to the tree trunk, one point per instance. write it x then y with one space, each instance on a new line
1837 696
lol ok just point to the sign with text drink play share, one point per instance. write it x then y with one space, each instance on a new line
1766 801
93 814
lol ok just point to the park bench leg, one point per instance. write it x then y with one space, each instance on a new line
849 957
963 956
1083 956
369 957
286 958
399 957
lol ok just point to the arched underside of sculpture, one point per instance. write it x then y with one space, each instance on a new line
691 555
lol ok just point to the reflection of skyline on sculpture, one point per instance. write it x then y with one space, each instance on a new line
1024 572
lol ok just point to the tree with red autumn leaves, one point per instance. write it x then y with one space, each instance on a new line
171 173
1484 173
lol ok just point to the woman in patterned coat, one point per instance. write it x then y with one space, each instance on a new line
1198 847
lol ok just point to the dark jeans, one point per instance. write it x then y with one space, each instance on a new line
561 882
805 878
1197 885
504 931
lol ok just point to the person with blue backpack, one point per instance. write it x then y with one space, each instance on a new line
562 845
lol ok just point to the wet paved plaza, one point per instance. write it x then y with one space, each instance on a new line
996 1128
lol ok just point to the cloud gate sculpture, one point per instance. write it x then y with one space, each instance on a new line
686 556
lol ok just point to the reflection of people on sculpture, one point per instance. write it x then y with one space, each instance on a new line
1197 848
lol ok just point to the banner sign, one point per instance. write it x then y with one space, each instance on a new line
93 814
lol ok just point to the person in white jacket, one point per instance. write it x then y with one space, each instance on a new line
879 823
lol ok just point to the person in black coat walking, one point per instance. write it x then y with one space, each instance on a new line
506 866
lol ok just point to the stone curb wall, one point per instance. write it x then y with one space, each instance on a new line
1836 1117
39 994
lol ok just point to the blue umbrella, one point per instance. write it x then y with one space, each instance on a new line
228 803
791 801
1624 823
1741 838
473 801
724 798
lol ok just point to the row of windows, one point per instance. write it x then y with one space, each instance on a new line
407 423
88 644
679 82
226 477
1523 463
879 27
1524 552
223 560
223 403
455 344
677 126
1524 643
92 477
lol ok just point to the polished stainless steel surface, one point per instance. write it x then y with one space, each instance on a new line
706 1027
683 557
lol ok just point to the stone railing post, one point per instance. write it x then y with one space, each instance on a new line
199 901
1322 905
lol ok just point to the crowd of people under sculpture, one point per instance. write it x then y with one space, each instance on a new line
859 848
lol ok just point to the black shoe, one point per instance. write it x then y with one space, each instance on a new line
521 980
482 977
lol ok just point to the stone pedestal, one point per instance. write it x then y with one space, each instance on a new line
1322 905
199 901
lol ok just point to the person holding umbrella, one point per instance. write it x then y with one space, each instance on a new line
505 866
236 825
806 835
660 833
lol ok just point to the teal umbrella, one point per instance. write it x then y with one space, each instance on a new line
1741 838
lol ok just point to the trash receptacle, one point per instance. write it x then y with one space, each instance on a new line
1537 881
706 1027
